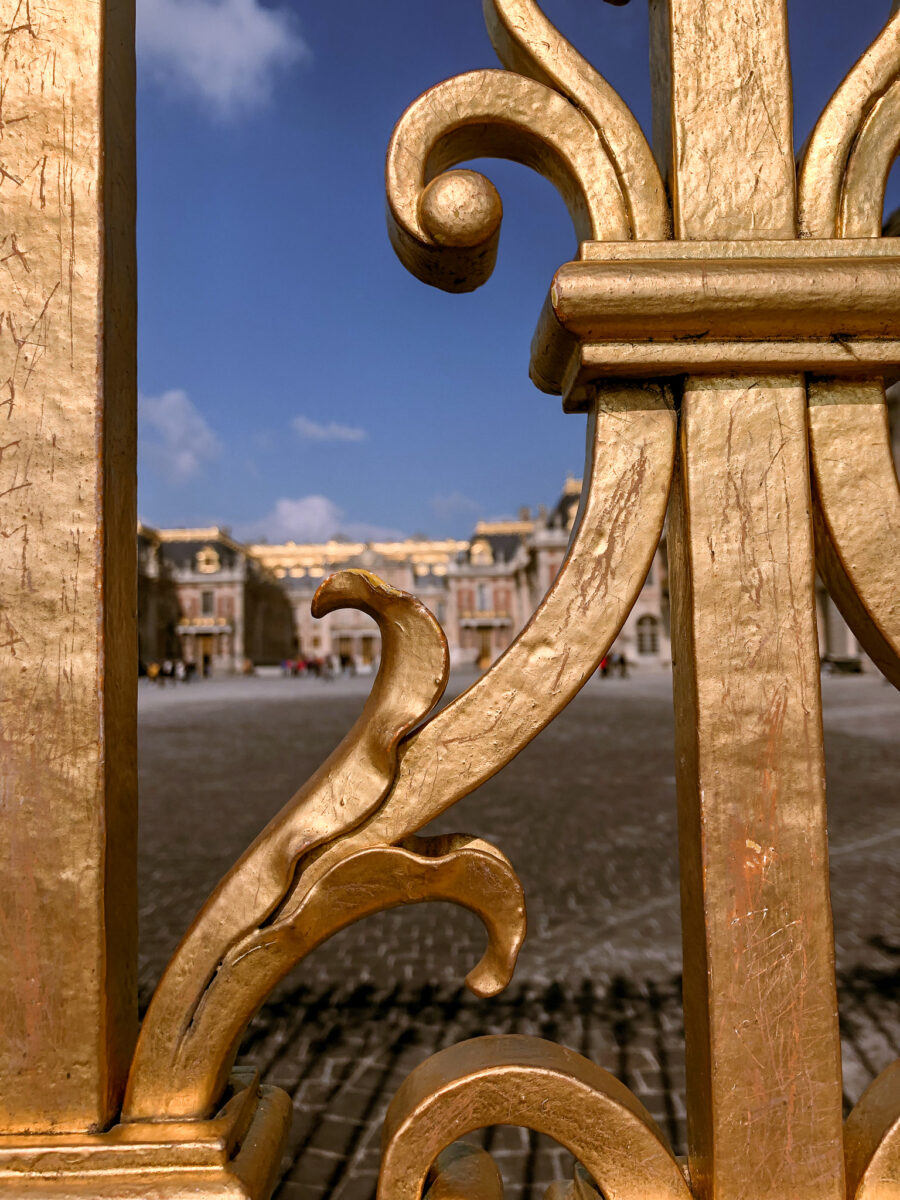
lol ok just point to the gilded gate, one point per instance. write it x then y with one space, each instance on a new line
727 325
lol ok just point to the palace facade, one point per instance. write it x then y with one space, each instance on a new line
482 590
223 605
206 598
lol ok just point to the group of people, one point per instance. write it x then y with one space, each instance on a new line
328 667
614 662
170 670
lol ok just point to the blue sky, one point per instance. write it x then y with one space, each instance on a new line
295 380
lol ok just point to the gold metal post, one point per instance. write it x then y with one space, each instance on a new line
762 1044
68 791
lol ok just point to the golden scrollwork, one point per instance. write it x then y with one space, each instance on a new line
461 870
445 225
628 474
526 42
340 848
825 170
515 1080
772 310
841 193
346 788
872 1140
324 861
559 116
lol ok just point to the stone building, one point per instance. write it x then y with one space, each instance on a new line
482 590
489 585
158 609
230 603
232 609
415 565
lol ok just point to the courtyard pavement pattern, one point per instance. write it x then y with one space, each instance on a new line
587 816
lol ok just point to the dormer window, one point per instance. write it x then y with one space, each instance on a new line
481 552
208 561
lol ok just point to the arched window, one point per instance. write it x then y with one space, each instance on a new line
648 635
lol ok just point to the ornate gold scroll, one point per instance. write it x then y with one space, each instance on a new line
303 869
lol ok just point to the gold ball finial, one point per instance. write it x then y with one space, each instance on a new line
460 208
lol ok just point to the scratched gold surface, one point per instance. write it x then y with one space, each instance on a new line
67 563
762 1048
762 1045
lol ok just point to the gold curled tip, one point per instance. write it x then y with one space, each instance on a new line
464 1172
445 225
823 169
856 513
460 870
872 1140
358 589
346 789
527 42
415 657
529 1082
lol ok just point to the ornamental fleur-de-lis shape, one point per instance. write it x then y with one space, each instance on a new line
723 327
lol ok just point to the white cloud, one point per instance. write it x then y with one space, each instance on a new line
226 52
311 519
314 431
451 505
174 437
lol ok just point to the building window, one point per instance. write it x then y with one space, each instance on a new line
207 604
648 635
484 601
208 561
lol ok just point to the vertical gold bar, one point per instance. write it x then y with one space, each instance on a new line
723 117
763 1055
762 1045
67 562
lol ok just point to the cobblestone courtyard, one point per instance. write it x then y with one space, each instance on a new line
587 816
